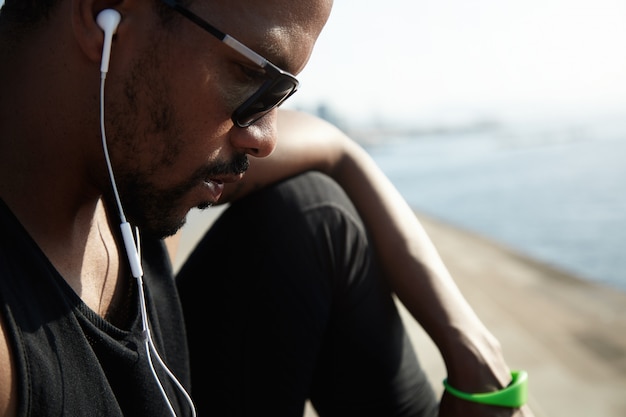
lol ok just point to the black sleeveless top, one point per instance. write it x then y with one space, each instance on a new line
72 362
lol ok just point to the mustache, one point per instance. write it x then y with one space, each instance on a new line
238 165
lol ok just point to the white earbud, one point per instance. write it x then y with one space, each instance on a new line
108 20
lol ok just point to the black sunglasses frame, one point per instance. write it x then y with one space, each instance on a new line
278 87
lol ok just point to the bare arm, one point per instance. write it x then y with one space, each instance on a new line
419 278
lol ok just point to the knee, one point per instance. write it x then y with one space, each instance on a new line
303 191
311 196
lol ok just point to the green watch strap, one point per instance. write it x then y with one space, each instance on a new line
514 395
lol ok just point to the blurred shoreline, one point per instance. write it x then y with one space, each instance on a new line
555 193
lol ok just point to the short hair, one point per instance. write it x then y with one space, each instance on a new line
21 16
26 14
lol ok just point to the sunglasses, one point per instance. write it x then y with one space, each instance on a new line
276 88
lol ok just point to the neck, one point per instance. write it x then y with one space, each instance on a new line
88 254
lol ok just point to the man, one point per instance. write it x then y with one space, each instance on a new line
94 140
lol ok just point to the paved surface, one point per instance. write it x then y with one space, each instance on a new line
568 334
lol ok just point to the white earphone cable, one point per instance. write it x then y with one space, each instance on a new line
133 251
105 148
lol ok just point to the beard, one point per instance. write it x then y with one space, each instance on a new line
159 213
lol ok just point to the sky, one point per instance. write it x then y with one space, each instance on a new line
425 60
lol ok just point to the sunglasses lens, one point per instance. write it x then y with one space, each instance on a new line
269 96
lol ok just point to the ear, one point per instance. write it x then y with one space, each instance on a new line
87 32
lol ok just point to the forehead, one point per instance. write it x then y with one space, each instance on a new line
283 31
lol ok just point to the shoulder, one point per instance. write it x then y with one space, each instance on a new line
8 376
8 383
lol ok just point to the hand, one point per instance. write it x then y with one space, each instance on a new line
475 365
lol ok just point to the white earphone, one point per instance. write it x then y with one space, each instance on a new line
108 20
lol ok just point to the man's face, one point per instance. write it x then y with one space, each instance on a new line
172 139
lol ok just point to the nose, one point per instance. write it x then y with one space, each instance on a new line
259 139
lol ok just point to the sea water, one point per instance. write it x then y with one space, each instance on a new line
554 192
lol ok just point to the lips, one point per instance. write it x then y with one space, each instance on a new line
215 188
215 185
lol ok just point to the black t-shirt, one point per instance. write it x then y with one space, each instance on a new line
72 362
